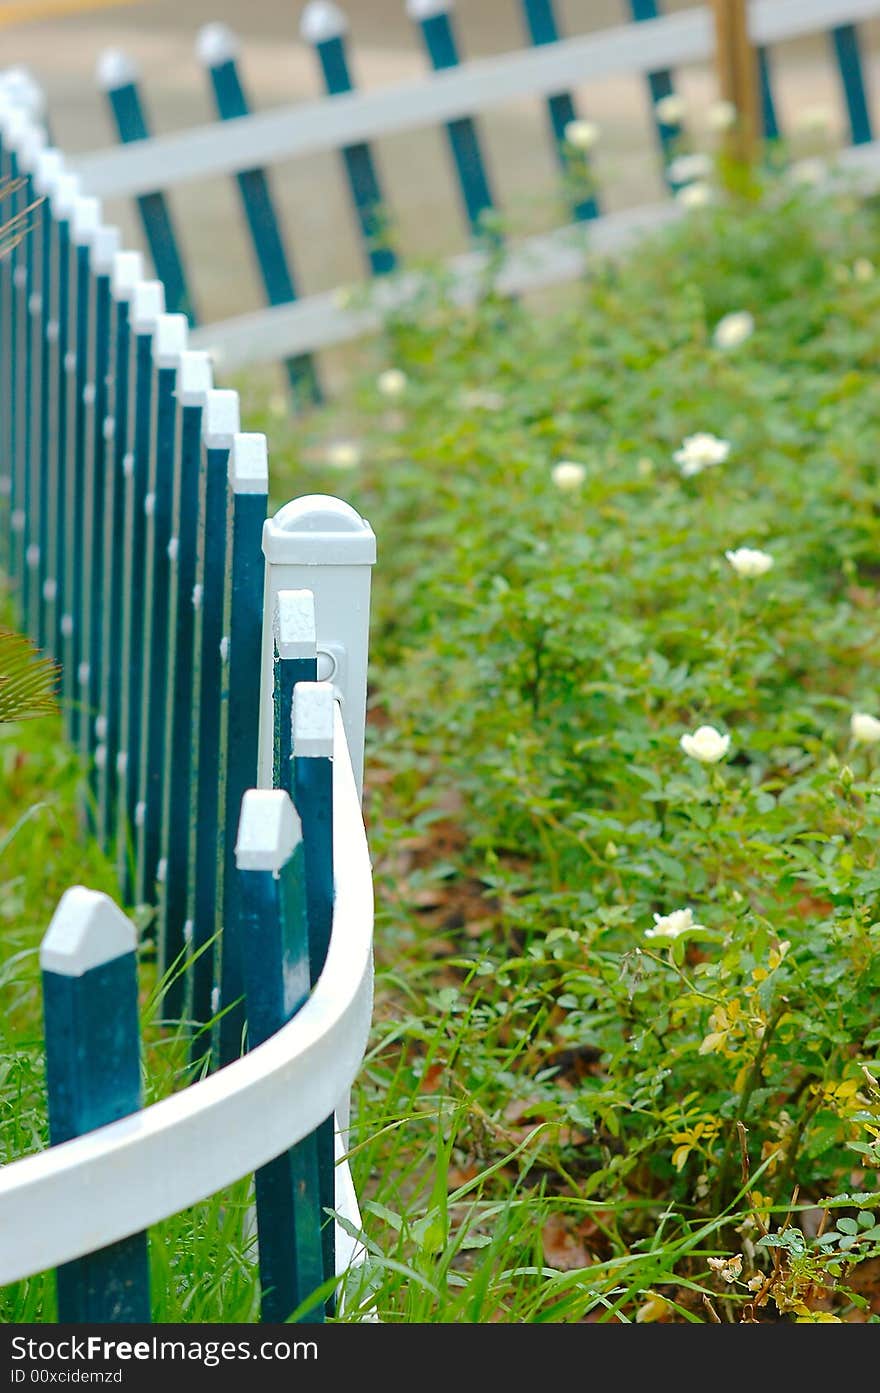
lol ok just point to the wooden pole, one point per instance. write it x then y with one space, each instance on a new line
736 64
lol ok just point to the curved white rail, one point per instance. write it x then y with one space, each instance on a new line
75 1198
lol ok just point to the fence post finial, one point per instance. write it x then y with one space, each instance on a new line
216 44
322 20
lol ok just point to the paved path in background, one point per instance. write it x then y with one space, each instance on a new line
61 49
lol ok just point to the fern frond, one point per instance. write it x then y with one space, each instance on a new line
27 681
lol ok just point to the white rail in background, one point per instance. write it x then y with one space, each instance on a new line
320 321
228 147
75 1198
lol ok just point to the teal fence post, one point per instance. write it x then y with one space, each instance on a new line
60 331
240 651
220 424
46 170
660 86
93 1078
126 272
313 716
543 28
433 19
117 76
217 50
30 145
324 25
169 342
194 382
845 40
147 304
269 856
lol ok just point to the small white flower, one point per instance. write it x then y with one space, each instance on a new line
392 383
707 744
808 172
686 168
721 116
748 562
344 454
733 329
581 135
694 195
699 452
814 120
863 270
671 925
670 110
567 474
865 729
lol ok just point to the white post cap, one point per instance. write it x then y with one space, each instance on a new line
321 20
216 44
293 624
64 195
115 69
85 219
30 147
147 303
169 339
104 249
86 931
318 530
15 124
48 168
128 270
195 378
220 420
427 9
269 830
249 463
313 720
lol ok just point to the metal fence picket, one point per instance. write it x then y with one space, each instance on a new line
217 50
435 24
324 25
270 860
93 1077
117 76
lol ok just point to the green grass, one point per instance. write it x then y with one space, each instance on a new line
561 1118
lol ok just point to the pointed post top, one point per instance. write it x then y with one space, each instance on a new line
64 194
293 624
220 421
169 339
115 69
30 147
85 220
87 930
269 830
319 529
321 21
104 248
313 720
48 169
195 378
147 303
216 44
427 9
249 463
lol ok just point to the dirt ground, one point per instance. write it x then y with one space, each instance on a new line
60 40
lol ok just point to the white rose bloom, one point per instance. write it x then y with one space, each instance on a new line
671 925
863 270
808 172
722 116
733 329
392 383
568 475
581 135
864 728
686 168
707 744
748 562
344 454
699 452
670 110
694 195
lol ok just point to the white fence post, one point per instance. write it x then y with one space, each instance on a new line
320 543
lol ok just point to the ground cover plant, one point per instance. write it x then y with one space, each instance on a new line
622 793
